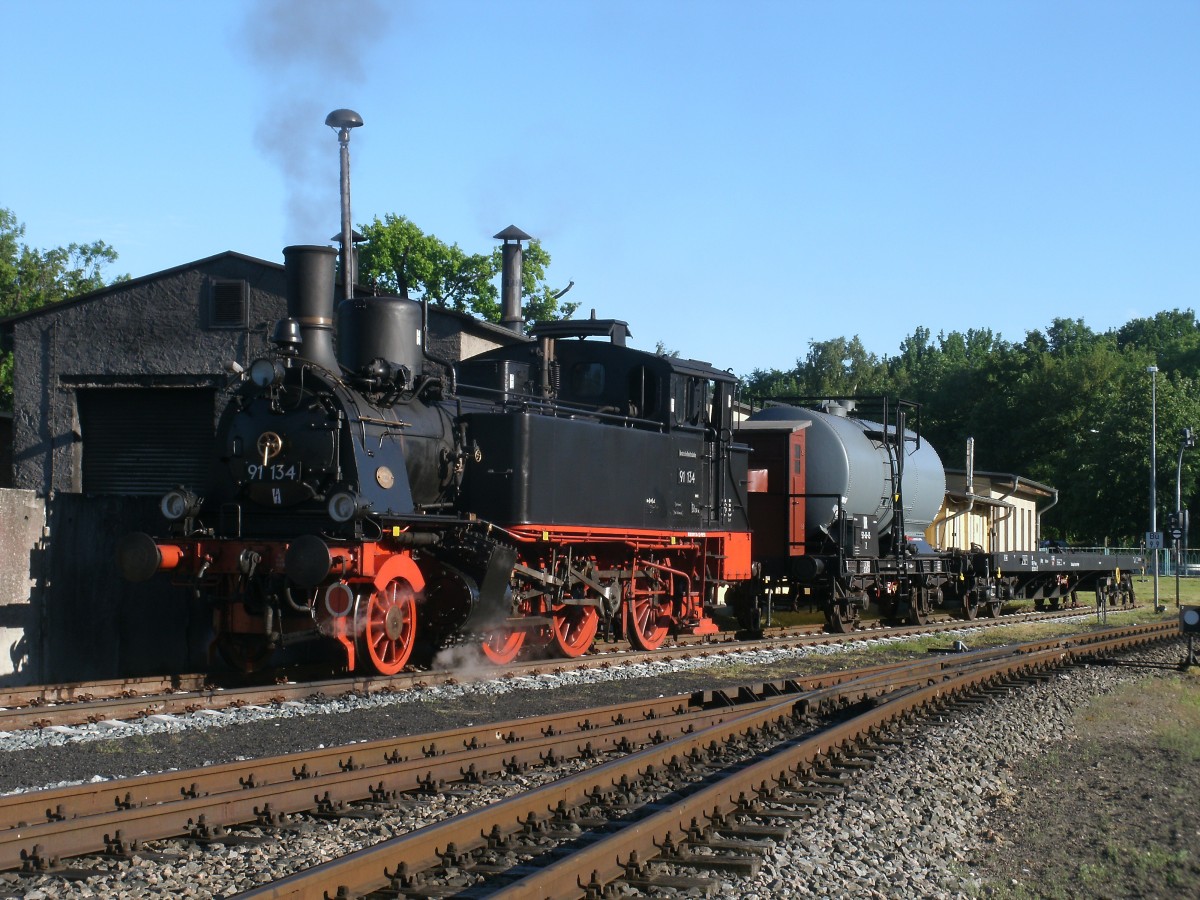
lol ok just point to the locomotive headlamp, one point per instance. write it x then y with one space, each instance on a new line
287 337
265 373
178 504
345 505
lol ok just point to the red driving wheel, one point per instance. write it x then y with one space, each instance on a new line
502 645
573 629
645 628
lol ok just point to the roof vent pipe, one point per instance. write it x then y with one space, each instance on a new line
510 278
971 466
341 121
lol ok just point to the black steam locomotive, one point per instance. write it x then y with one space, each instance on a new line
534 495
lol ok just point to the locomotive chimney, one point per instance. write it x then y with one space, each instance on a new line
309 271
341 121
510 278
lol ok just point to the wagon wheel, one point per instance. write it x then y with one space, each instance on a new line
572 629
645 628
918 607
835 622
388 620
244 652
970 609
994 607
502 645
841 614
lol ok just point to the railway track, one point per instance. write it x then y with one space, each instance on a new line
65 705
688 779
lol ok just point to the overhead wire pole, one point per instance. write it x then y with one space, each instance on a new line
1154 539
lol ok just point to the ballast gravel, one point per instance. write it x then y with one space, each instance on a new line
55 755
909 827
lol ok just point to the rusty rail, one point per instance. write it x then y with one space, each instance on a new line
40 706
386 865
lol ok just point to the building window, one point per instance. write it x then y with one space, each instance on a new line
227 305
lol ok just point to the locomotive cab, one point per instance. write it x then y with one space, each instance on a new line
582 432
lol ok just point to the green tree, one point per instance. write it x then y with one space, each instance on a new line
832 368
31 279
399 257
539 301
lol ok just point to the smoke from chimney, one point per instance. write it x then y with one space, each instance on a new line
310 55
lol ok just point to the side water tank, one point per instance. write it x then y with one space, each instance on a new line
845 457
370 328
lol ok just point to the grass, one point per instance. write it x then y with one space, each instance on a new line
1189 590
1130 833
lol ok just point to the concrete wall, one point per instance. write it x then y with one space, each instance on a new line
65 612
22 523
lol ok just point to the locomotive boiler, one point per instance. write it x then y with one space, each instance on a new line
370 494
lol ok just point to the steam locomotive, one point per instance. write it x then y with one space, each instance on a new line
534 495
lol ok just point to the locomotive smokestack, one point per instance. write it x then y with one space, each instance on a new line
510 278
309 271
341 121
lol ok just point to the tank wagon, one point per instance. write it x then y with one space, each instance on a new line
842 492
378 497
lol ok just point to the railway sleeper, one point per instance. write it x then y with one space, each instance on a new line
653 881
753 831
713 840
674 854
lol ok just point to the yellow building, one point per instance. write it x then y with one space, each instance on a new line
992 511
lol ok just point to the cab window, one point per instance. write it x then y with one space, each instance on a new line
586 380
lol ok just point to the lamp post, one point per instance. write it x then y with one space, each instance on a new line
1179 526
1151 538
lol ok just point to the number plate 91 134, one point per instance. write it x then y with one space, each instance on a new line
277 472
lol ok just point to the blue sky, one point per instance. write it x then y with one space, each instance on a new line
733 179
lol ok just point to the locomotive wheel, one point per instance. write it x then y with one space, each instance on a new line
389 627
573 629
244 652
502 645
645 630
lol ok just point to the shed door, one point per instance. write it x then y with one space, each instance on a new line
145 440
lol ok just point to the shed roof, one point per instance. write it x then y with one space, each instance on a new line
7 323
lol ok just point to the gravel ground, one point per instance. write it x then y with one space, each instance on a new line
55 755
921 823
